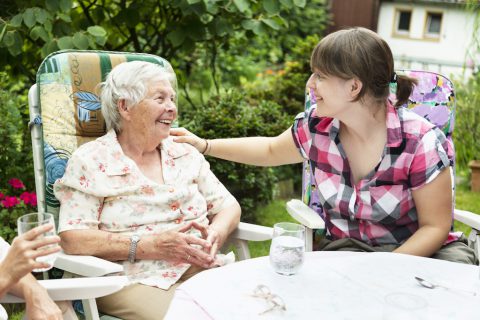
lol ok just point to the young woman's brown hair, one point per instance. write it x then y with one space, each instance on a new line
362 54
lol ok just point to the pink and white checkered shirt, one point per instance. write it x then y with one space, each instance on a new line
379 209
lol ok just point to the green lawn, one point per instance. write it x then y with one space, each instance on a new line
268 216
276 212
466 200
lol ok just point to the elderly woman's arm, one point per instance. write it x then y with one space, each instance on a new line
174 246
222 224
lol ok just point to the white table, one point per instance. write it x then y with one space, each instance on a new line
334 285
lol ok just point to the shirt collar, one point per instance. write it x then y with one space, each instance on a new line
119 164
331 126
394 128
172 149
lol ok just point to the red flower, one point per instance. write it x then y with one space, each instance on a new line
2 196
29 198
16 183
9 202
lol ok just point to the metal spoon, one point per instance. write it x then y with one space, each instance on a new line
430 285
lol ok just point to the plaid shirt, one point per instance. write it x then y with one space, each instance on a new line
379 209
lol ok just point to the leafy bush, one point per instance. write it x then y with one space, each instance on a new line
15 159
286 86
230 115
15 201
15 142
467 123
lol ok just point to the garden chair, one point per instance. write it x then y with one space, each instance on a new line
64 114
434 99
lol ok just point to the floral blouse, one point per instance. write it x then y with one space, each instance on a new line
104 189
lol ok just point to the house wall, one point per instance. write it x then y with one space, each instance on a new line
350 13
446 55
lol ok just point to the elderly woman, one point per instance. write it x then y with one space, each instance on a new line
135 196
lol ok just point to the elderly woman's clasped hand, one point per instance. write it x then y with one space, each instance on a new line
180 246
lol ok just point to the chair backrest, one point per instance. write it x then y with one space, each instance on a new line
432 98
65 110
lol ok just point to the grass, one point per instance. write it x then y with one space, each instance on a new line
466 200
268 216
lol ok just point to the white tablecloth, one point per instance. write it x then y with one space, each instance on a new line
334 285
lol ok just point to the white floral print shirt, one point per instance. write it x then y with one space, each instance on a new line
104 189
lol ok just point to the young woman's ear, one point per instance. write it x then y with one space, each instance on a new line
355 87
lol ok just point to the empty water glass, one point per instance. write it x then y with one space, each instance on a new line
287 250
32 220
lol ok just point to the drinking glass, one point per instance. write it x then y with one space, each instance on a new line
33 220
287 251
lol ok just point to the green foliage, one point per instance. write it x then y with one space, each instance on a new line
467 122
286 86
230 115
30 30
15 144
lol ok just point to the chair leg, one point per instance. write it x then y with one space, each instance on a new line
90 309
308 239
242 249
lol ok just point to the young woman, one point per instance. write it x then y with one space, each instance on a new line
383 172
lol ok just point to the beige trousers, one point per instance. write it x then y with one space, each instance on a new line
138 301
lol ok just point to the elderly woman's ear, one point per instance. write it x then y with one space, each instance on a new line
123 108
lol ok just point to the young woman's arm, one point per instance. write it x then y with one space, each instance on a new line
259 151
434 208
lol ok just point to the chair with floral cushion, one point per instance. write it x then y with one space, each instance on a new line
434 99
64 114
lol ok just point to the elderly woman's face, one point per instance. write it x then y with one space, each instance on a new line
156 112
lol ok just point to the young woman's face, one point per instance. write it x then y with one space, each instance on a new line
156 112
331 93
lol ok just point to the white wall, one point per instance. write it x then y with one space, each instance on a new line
446 55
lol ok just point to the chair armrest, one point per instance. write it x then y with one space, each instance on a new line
252 232
76 288
305 215
87 266
469 218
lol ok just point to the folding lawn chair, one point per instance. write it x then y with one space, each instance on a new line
64 114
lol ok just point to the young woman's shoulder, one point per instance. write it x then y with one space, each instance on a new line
413 124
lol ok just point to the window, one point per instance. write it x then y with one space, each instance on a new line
433 25
403 19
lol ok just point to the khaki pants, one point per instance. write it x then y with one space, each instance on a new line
457 251
138 301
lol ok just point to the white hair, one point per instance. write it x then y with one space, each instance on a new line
130 81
